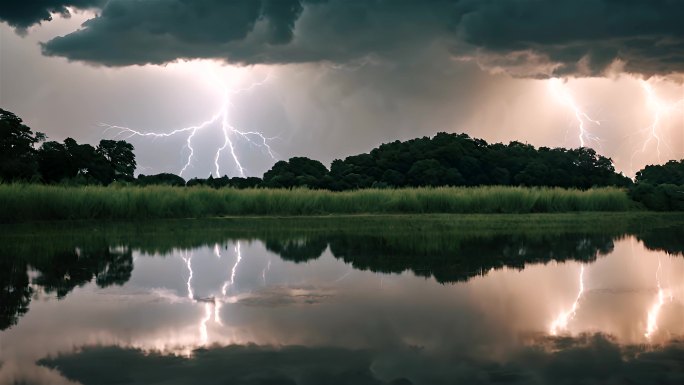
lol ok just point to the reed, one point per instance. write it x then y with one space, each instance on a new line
32 202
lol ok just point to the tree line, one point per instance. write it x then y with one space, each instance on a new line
660 187
54 162
442 160
451 160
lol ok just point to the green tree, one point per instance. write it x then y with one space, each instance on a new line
18 159
15 290
120 156
393 178
297 172
71 161
54 162
160 179
427 172
671 172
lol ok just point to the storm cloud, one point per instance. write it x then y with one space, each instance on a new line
22 14
525 38
587 359
579 37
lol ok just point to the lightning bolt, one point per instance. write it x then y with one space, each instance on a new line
188 263
204 336
210 308
654 311
343 276
560 92
263 272
217 312
238 254
561 322
660 109
224 289
220 119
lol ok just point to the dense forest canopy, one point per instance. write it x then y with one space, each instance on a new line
444 160
458 160
660 187
671 172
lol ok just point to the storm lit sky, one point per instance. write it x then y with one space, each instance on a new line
328 79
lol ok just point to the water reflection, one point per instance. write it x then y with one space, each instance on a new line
344 307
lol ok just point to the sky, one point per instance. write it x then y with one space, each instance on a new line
255 81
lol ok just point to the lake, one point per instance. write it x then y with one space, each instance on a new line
360 300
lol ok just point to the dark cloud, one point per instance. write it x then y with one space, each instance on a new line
130 32
22 14
579 37
586 359
229 365
529 38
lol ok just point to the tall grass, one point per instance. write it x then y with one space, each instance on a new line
28 202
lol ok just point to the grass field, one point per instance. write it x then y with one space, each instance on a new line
28 202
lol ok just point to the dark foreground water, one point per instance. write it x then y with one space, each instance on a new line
403 305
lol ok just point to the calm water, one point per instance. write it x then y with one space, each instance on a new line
343 308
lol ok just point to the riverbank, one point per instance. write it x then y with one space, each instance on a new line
28 202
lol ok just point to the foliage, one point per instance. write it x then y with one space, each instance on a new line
660 187
662 197
107 265
297 172
54 162
73 163
17 153
15 290
19 202
671 172
443 160
160 179
225 181
119 155
452 160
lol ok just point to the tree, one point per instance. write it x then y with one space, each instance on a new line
62 162
249 182
18 159
69 269
160 179
119 154
298 250
671 172
427 172
393 178
54 162
15 290
297 172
